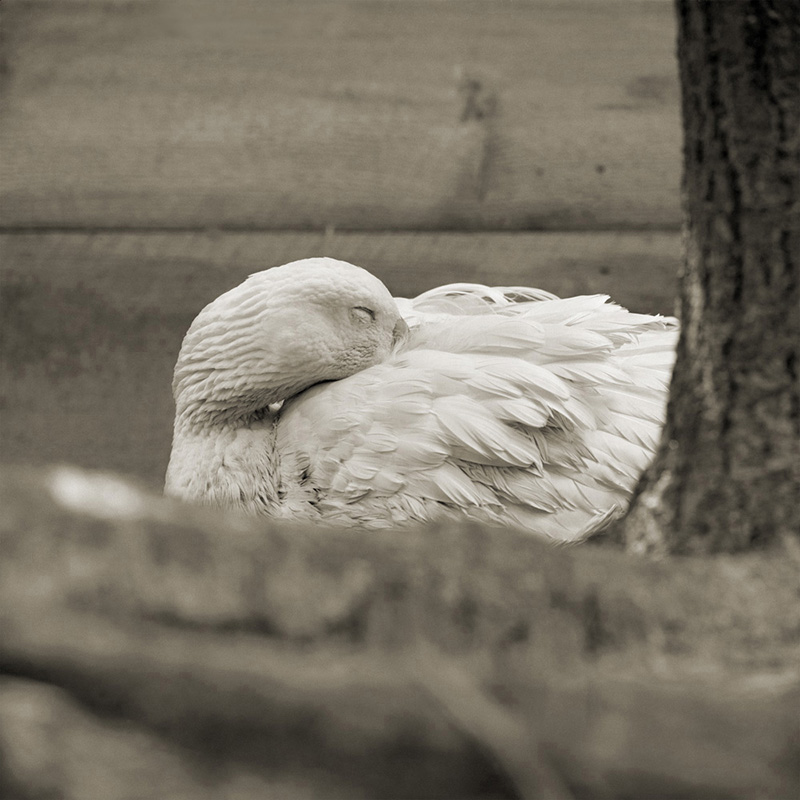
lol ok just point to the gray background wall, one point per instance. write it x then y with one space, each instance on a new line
154 152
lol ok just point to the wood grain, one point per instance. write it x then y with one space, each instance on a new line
91 324
362 114
178 272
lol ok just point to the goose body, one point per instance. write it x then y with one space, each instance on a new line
308 392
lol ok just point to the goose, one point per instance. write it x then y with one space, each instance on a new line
308 392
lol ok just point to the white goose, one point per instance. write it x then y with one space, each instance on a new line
309 392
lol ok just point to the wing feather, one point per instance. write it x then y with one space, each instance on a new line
505 403
475 434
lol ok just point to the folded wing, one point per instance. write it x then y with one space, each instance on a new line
505 405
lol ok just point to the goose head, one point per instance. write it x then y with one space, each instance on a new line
279 332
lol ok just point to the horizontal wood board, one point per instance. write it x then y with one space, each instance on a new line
361 114
91 324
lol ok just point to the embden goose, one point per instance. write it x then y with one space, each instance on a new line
309 392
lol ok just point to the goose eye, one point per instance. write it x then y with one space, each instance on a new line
363 314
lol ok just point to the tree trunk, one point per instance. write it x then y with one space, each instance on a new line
727 476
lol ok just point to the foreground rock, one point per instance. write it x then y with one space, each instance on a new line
150 649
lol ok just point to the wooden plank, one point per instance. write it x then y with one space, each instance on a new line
174 272
91 324
362 114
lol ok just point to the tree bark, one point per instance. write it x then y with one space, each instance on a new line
727 475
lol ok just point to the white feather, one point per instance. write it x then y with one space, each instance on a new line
503 404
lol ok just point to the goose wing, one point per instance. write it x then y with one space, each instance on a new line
506 405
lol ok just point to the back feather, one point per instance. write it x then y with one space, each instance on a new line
507 405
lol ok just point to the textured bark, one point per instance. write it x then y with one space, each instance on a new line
727 476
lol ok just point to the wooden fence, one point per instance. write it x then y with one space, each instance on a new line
156 151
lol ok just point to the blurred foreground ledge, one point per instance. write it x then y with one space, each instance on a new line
153 649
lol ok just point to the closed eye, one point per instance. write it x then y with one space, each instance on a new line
364 313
